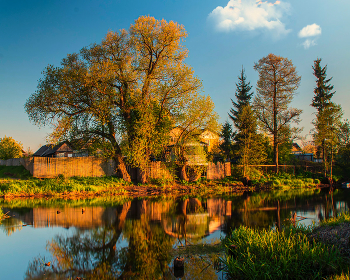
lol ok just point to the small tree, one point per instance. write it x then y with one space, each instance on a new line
326 133
343 154
10 148
249 144
227 136
278 81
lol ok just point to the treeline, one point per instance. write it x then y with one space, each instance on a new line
262 126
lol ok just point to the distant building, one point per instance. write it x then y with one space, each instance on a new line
300 155
206 137
62 149
296 150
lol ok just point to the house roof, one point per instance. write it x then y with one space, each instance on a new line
50 149
296 147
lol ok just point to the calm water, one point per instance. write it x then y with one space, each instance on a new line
139 238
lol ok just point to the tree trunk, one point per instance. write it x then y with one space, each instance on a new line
331 167
141 176
121 167
324 158
275 149
183 174
195 177
275 131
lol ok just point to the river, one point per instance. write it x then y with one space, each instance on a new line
138 238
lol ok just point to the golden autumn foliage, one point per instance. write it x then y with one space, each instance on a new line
132 87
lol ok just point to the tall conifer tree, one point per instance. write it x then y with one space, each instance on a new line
323 90
248 143
328 117
243 97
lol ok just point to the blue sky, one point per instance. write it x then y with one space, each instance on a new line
223 35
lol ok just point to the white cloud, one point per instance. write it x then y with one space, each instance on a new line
309 43
310 30
251 15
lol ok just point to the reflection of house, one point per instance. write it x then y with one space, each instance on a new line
62 149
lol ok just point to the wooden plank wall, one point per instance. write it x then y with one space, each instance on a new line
44 167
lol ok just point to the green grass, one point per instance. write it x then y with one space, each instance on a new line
285 180
61 185
287 254
18 172
334 221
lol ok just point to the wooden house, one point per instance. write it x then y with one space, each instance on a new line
62 149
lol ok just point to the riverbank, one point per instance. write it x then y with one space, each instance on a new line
76 187
17 182
320 252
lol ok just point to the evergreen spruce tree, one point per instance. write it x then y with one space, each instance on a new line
227 136
328 116
248 143
323 90
243 96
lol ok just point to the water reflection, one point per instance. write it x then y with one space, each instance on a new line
139 239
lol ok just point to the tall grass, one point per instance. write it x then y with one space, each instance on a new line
271 254
334 221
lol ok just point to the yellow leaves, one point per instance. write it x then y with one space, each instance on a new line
10 148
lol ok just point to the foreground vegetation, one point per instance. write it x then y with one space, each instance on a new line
293 253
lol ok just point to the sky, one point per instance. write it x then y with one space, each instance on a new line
222 37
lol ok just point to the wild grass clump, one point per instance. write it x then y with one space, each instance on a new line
271 254
343 217
285 180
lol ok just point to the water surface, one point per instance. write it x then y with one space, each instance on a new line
139 238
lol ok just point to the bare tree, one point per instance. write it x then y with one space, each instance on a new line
278 81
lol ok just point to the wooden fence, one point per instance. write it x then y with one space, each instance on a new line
45 167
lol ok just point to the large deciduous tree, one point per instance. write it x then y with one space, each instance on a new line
133 86
10 148
276 87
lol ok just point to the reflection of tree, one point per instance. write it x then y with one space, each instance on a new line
86 253
11 225
93 254
148 254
